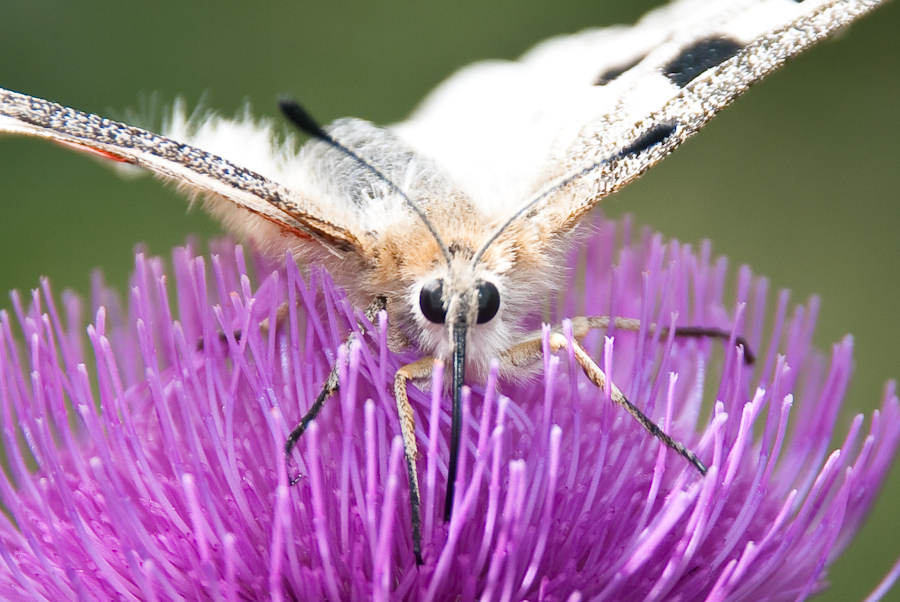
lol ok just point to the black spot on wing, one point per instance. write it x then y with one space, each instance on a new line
611 74
698 57
655 135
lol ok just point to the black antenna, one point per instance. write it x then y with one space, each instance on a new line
530 204
299 116
655 136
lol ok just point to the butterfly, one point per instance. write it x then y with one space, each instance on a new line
455 220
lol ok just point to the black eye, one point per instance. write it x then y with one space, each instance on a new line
430 302
488 302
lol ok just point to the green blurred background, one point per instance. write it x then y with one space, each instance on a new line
799 179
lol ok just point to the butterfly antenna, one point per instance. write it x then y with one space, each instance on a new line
529 205
653 137
299 116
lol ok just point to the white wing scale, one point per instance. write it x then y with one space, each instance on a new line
189 166
509 129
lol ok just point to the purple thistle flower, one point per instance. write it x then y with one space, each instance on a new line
143 465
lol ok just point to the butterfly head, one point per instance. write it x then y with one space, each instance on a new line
457 282
457 301
466 310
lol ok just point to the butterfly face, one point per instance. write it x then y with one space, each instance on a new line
458 298
447 268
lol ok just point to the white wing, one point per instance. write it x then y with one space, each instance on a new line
229 187
609 102
576 118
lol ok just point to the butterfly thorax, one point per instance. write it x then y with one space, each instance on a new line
410 226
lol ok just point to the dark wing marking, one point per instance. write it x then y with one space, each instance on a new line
614 72
609 153
652 137
591 111
700 56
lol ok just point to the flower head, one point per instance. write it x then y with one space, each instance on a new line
146 461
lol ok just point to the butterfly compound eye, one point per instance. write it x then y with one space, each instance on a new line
488 302
431 302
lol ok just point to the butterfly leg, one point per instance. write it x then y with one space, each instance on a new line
529 351
331 383
595 374
699 332
581 326
280 316
417 370
330 386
